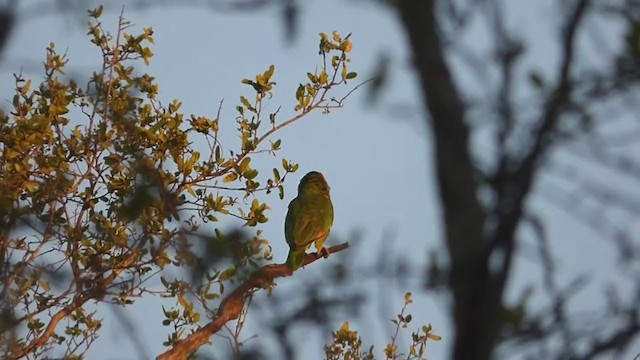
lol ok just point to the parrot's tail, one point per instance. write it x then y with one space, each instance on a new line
295 260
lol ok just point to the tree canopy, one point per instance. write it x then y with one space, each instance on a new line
110 195
105 192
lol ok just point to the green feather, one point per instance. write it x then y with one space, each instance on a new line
309 218
295 260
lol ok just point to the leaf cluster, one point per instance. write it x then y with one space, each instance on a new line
347 344
104 189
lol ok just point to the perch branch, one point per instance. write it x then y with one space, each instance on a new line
231 307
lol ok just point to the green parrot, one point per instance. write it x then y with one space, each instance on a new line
309 218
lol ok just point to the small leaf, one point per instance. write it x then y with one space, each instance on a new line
227 274
312 77
300 92
267 74
31 186
323 77
230 177
407 298
95 13
245 102
244 165
345 326
347 46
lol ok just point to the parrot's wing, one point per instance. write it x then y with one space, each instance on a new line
302 225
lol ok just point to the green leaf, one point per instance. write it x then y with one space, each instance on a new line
251 174
211 296
244 165
228 274
300 92
95 13
218 155
351 75
246 102
312 77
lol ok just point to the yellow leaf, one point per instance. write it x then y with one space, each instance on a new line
230 177
345 326
347 46
245 102
182 301
25 88
323 77
407 298
31 186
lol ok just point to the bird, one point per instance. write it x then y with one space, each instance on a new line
309 219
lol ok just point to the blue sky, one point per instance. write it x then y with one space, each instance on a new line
376 159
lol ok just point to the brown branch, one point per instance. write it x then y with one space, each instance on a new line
560 95
619 340
231 307
76 303
516 185
320 104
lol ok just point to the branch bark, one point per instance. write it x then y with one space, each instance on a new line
231 307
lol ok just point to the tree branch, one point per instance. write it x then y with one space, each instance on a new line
231 307
463 216
513 192
75 304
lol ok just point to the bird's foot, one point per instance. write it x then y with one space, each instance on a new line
324 252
